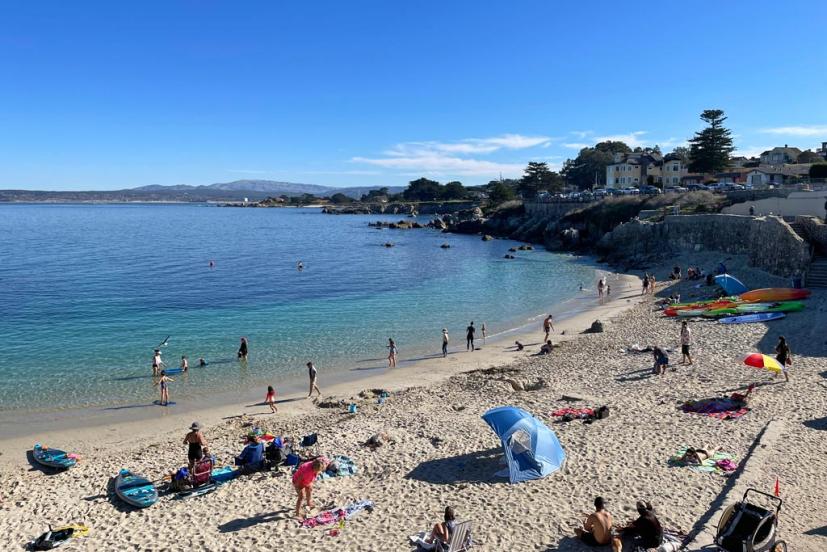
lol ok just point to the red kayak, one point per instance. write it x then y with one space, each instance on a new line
771 295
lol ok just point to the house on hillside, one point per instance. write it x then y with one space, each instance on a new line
647 167
780 156
772 175
733 176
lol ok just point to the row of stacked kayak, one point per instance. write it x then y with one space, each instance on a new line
758 305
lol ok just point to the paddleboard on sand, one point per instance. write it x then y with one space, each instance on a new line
775 294
135 490
752 318
53 458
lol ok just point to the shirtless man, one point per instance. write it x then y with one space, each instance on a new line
548 327
597 528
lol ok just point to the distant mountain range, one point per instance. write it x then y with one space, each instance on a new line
237 190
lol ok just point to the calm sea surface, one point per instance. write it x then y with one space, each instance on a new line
87 292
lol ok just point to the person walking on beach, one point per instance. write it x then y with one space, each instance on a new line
392 352
645 284
270 399
484 333
303 482
444 342
311 372
784 356
242 349
597 527
548 327
652 284
164 382
469 336
686 341
196 444
157 363
601 286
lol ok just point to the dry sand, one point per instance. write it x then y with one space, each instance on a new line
445 454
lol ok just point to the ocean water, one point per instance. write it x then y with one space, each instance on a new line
88 291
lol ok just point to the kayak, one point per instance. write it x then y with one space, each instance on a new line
53 458
752 318
135 490
714 313
786 306
690 312
775 294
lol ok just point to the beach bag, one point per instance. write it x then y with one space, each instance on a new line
602 412
292 460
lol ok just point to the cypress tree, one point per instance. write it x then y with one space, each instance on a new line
710 148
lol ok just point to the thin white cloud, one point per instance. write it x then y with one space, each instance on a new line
750 151
442 164
581 133
470 146
632 139
803 130
576 145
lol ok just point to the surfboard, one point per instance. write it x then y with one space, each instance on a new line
53 458
135 490
752 318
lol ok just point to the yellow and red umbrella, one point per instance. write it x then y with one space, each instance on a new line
757 360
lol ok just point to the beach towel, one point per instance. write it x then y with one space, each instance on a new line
722 408
721 463
336 515
340 466
574 412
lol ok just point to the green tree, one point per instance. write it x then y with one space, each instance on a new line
818 170
422 189
710 149
374 195
500 192
809 157
537 177
340 198
682 152
454 190
589 167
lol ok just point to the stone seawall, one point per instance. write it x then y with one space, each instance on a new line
815 231
768 242
552 210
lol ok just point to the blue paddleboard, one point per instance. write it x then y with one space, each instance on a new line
752 318
52 458
135 490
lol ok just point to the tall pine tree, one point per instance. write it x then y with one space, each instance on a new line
710 148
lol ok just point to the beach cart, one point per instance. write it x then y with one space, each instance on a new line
749 527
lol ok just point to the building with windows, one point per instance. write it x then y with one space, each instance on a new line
780 156
646 167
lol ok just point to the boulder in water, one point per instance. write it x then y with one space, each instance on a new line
487 237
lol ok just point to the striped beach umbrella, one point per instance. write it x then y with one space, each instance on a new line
757 360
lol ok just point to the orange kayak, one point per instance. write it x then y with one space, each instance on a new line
775 294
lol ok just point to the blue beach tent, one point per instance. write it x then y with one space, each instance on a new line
531 449
731 284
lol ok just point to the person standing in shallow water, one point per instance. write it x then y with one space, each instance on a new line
392 352
444 342
469 336
242 349
311 373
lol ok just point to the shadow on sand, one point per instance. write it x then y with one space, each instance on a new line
818 423
246 523
474 467
635 375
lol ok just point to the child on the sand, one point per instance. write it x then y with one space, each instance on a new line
270 398
303 482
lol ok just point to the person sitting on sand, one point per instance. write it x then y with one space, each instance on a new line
519 345
646 529
196 443
252 456
441 533
597 527
661 361
546 348
303 482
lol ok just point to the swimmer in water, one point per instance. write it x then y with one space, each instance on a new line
299 266
212 264
202 362
185 364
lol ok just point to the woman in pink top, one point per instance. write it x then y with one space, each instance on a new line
303 482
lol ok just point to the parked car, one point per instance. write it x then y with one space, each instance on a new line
631 191
650 190
698 188
675 190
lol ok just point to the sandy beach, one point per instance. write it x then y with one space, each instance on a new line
443 453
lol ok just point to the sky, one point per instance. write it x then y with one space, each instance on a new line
100 95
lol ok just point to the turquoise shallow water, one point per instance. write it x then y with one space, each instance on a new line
87 292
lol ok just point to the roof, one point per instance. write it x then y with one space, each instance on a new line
798 169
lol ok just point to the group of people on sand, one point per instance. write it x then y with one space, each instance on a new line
649 284
646 531
604 289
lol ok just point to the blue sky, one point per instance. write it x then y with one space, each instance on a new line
106 95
